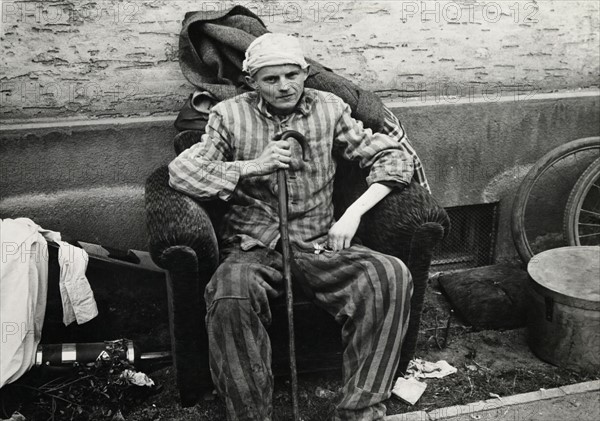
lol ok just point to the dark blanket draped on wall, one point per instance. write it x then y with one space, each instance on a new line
212 45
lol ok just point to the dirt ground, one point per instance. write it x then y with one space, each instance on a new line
489 363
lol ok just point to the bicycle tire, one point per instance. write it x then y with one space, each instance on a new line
520 204
576 200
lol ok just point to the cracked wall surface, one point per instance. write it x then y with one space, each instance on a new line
119 58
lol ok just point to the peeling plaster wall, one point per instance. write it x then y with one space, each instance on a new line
67 67
119 58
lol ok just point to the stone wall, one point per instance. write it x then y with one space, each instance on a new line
105 58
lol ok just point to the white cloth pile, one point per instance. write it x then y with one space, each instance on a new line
409 388
421 369
23 291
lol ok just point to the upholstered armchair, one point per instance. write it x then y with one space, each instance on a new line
407 224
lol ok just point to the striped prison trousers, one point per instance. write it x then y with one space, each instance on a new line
367 292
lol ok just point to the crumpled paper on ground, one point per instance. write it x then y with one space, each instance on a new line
409 388
16 416
421 369
136 378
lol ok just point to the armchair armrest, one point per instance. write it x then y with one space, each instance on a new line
183 241
390 226
174 219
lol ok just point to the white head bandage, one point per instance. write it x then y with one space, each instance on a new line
272 50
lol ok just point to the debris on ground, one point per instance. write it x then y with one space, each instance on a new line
118 416
324 393
136 378
421 369
409 390
16 416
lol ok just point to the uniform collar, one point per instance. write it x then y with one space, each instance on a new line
304 105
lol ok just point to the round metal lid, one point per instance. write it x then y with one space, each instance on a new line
570 274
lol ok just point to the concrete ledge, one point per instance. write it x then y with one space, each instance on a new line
573 389
497 403
409 416
470 408
538 395
517 97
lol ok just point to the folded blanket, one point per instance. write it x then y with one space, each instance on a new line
211 50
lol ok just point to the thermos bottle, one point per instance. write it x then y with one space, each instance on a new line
64 355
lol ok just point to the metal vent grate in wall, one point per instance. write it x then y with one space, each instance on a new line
471 240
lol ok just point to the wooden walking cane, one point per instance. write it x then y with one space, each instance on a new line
287 262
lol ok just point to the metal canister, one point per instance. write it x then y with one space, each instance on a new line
564 315
56 355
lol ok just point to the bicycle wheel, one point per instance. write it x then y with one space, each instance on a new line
539 206
582 214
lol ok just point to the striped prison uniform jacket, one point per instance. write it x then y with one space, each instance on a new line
239 129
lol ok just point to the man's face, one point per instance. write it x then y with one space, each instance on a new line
281 86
